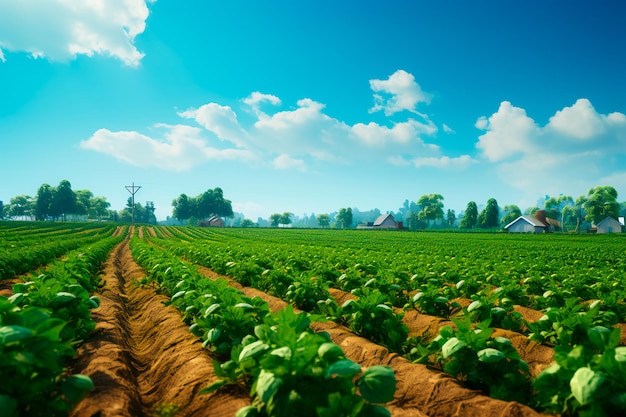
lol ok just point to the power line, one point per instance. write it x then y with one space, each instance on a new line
132 189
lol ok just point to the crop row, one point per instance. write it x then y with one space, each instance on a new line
571 326
288 368
18 256
40 326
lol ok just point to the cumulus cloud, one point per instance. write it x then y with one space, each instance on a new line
296 138
181 149
577 146
62 29
401 93
286 162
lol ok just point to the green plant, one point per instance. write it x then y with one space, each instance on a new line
372 317
490 364
587 379
293 371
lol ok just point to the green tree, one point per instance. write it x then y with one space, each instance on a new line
1 210
183 207
21 206
432 207
601 202
43 202
285 218
344 218
99 208
275 219
323 220
509 213
212 203
489 217
555 208
470 217
247 223
63 200
83 202
149 216
450 217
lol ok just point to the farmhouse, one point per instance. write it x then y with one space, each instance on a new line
538 223
609 225
384 221
212 222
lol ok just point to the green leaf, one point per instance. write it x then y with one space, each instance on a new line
63 297
343 368
452 346
599 336
267 385
620 354
8 406
247 411
76 387
252 350
377 384
585 383
9 334
330 352
490 355
211 309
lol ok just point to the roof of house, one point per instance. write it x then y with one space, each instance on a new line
528 219
381 219
608 219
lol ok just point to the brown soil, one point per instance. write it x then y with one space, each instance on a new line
421 391
142 356
118 231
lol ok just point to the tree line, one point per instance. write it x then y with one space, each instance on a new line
61 203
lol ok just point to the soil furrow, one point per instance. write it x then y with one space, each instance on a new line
141 358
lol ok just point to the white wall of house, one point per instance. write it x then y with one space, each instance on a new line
609 225
522 226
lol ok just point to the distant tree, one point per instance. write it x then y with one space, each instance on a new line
21 206
509 213
99 208
149 216
43 202
344 218
488 218
432 207
555 207
63 200
183 207
323 220
247 223
275 219
212 203
450 217
470 217
530 211
285 218
414 222
1 210
83 202
601 202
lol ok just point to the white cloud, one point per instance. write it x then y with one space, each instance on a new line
375 135
444 162
62 29
509 132
405 93
295 139
286 162
575 150
181 149
447 129
221 120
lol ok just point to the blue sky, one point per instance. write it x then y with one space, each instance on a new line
313 106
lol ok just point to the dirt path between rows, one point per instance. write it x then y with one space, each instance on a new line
142 359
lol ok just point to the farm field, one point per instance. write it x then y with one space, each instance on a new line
470 323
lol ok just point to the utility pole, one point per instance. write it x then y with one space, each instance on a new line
132 189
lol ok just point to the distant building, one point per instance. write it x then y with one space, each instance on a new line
538 223
212 222
609 225
384 221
